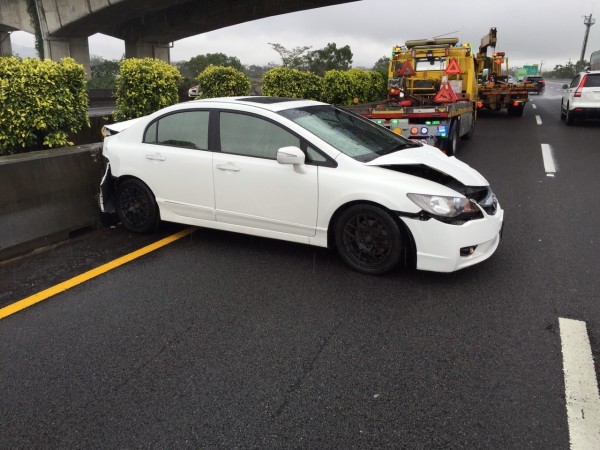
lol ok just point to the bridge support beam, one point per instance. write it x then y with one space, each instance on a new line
5 44
76 47
141 49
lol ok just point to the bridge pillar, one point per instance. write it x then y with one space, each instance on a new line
141 49
76 47
5 45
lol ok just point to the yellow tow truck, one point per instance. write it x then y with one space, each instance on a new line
432 93
496 92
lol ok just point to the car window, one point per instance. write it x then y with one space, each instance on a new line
575 81
313 155
243 134
592 80
187 129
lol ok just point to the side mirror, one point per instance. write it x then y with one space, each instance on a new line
565 86
290 155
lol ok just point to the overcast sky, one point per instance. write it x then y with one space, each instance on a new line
545 32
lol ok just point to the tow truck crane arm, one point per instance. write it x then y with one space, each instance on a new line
489 40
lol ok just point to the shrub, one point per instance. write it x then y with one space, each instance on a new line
221 81
337 87
144 86
286 82
42 103
367 86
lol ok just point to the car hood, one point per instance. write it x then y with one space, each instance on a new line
435 159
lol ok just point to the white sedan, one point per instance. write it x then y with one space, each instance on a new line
301 171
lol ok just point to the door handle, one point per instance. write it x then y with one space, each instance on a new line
156 157
229 166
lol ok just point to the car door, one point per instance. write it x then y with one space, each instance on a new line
178 164
251 188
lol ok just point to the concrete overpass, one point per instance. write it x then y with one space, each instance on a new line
148 27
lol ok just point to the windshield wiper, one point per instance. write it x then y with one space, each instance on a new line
402 146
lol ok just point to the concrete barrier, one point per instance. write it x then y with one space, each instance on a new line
46 196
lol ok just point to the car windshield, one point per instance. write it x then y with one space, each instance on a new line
352 135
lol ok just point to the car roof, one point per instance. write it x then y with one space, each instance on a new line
274 104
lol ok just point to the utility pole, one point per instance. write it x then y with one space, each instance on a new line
588 22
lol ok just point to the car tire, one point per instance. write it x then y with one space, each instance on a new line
368 239
136 206
569 119
562 112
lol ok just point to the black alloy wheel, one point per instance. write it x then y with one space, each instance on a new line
136 206
368 239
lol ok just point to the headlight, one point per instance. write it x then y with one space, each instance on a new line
447 207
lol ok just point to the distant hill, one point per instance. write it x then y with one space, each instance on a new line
23 51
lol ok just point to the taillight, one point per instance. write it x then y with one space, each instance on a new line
580 87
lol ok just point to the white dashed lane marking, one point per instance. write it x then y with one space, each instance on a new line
538 119
581 386
549 166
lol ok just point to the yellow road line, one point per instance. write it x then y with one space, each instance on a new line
61 287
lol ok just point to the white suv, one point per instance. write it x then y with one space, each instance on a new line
581 98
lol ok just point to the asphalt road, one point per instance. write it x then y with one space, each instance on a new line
228 341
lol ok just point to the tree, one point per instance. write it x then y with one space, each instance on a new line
192 68
104 73
329 58
567 71
292 59
382 65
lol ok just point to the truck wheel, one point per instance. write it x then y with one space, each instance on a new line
450 145
469 134
515 111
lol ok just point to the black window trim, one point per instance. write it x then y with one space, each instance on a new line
215 133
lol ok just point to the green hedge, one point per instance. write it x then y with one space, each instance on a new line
336 86
292 83
43 102
145 86
221 81
367 86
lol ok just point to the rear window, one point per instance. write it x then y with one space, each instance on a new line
592 80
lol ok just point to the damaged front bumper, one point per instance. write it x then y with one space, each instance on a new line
106 197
